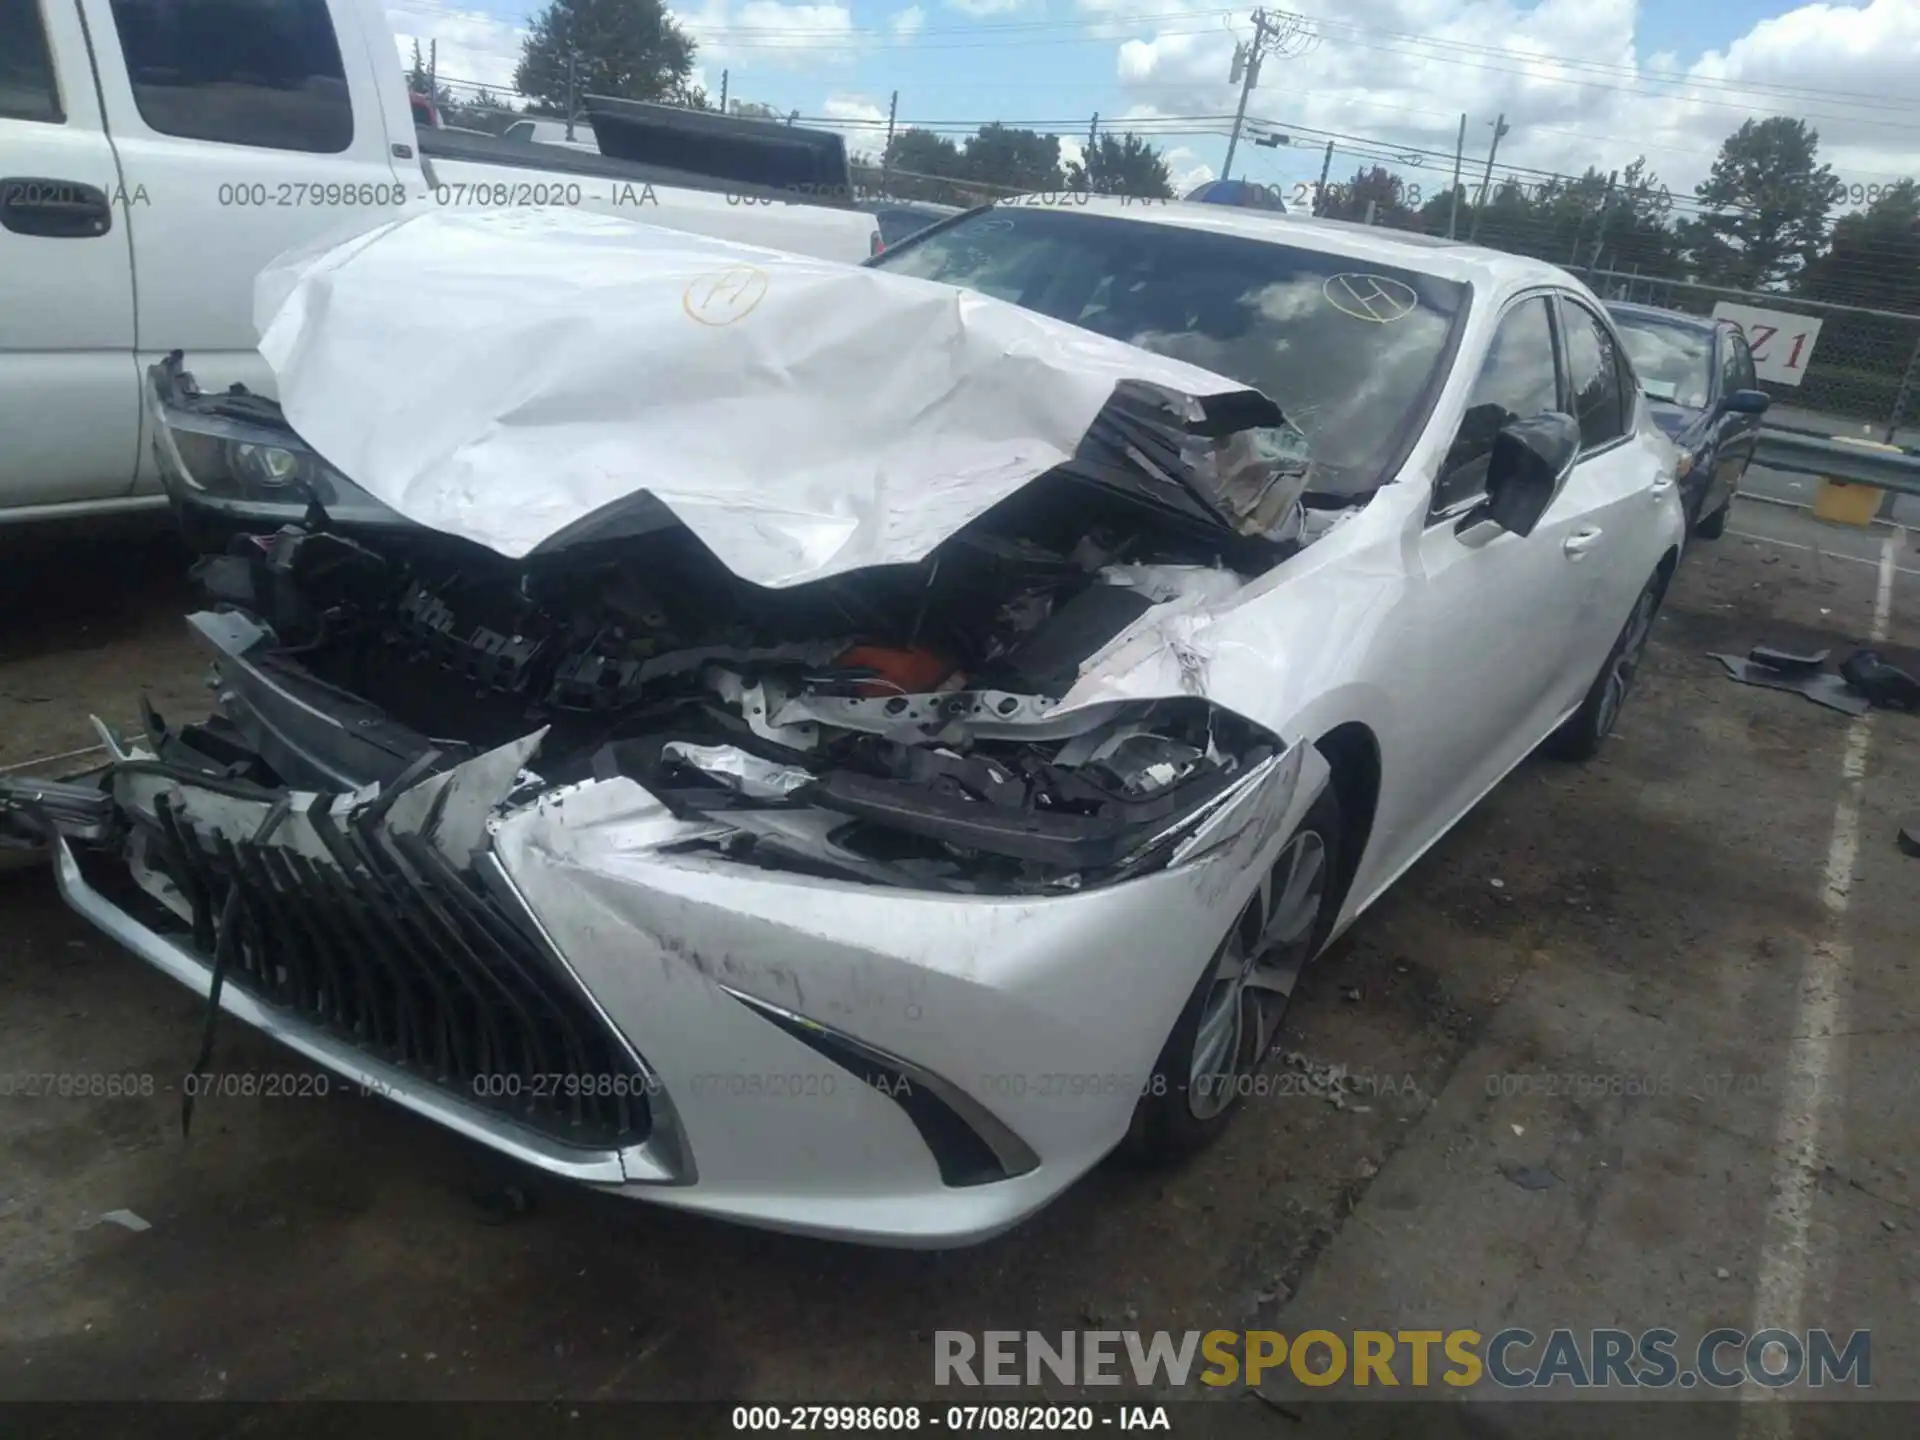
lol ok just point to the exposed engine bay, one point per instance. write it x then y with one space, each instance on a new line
893 724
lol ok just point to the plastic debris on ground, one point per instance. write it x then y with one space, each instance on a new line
125 1219
1773 669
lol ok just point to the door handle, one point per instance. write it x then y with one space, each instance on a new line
55 209
1580 542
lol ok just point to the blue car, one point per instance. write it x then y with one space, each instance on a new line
1698 377
1248 194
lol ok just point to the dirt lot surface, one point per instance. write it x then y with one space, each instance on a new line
1632 1047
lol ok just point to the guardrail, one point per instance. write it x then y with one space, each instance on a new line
1855 461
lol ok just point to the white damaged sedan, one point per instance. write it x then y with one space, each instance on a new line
846 749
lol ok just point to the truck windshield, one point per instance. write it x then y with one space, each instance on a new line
1349 349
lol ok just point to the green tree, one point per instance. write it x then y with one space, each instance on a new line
920 165
1633 232
1377 187
1015 159
418 82
1766 206
1122 165
1874 259
1439 208
628 48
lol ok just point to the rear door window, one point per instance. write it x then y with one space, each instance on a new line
1593 370
28 90
265 73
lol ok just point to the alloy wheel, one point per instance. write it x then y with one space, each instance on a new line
1626 663
1254 975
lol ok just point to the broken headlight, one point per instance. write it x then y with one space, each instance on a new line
233 454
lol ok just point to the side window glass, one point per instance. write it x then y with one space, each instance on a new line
1516 382
264 73
1593 368
1730 348
28 90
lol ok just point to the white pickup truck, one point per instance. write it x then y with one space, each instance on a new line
155 154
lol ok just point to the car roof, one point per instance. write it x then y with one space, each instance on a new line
1679 319
1494 270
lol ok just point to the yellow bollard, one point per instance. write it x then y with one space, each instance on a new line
1846 502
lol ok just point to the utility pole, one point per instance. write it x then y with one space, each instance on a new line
886 155
1459 153
433 70
723 92
1093 139
1285 35
1326 168
1500 127
1909 386
1246 61
1600 236
573 57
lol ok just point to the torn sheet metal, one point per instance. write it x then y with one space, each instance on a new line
733 767
451 809
802 418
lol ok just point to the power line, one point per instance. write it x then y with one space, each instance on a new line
1632 72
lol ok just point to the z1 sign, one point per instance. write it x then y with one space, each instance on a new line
1782 343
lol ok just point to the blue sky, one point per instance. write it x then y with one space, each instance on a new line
1581 81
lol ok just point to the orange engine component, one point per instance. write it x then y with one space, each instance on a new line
910 672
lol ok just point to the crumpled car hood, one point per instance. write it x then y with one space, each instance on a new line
505 376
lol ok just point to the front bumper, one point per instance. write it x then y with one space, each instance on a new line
888 1066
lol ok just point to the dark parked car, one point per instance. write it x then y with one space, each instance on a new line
1698 377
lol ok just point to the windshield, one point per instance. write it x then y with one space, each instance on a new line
1674 360
1347 348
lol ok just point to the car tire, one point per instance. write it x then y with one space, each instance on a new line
1580 735
1712 527
1211 1062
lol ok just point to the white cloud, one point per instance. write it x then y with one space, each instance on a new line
475 48
1072 152
1565 73
1186 170
909 21
860 120
789 35
977 8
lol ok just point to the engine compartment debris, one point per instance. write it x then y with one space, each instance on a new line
896 724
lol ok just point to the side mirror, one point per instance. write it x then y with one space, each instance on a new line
1746 402
1530 462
